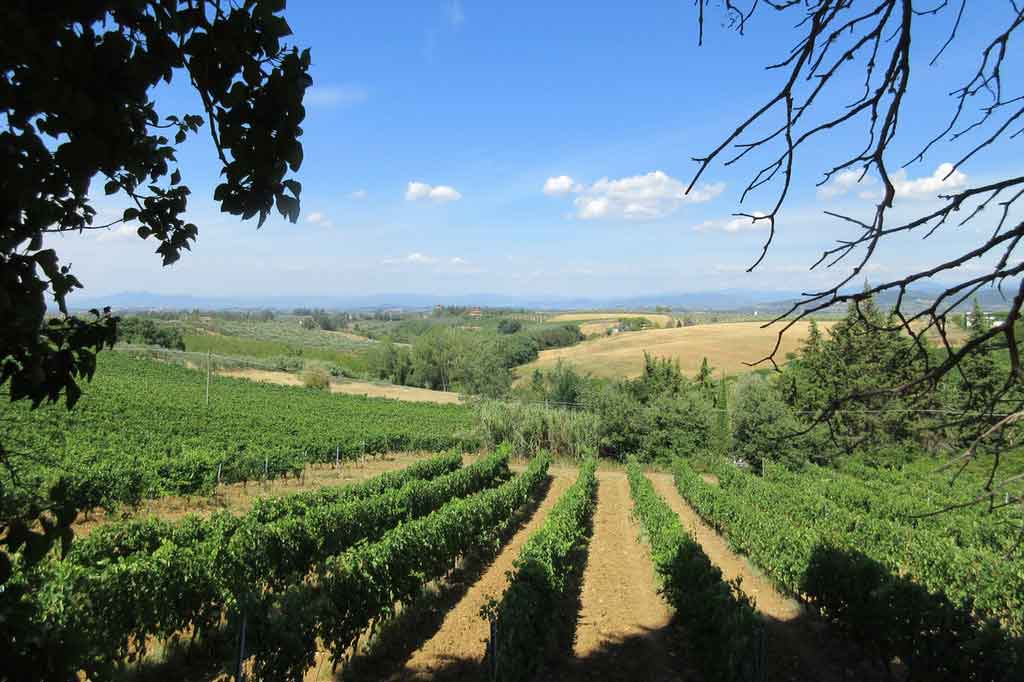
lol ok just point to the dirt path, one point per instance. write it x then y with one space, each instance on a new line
457 650
350 387
624 631
799 647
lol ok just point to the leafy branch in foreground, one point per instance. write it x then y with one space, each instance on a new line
76 85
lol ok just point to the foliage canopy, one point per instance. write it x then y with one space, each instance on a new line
77 86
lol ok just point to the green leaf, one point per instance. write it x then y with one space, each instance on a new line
111 186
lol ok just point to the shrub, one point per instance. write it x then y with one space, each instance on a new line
530 429
316 377
509 326
287 363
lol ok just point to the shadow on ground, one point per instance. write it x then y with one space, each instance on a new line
397 640
618 660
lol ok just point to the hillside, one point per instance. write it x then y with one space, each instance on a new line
726 346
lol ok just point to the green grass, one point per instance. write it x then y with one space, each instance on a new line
273 339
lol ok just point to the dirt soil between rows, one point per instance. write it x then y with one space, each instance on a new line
238 498
456 652
799 646
625 629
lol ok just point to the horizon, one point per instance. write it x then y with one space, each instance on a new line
720 300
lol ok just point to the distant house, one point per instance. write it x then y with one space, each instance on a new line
475 313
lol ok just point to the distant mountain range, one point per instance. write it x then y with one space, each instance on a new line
737 300
714 300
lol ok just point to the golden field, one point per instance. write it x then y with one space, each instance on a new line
659 319
351 387
726 346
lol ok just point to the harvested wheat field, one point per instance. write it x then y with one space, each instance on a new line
726 346
659 319
366 388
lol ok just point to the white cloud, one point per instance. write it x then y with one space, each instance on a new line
454 13
944 179
358 195
842 183
639 197
443 193
732 225
335 96
417 190
414 258
439 194
928 186
318 218
589 208
561 184
456 265
124 231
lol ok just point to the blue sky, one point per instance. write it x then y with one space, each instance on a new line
538 148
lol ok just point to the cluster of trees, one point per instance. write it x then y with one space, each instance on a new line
635 324
833 399
444 359
318 318
854 392
657 416
475 362
146 332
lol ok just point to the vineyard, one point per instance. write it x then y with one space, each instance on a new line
144 429
539 572
936 594
486 567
